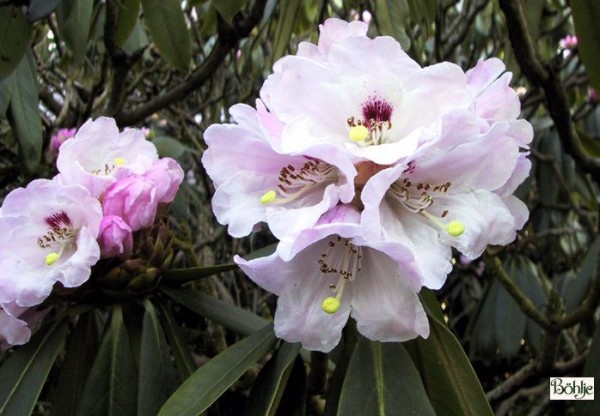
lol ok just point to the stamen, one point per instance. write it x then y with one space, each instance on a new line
119 161
52 258
347 267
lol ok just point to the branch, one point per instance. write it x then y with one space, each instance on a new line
543 75
228 38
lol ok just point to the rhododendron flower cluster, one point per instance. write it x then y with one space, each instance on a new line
369 169
110 184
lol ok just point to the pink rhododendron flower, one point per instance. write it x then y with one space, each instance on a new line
167 175
98 155
133 199
568 42
47 234
334 272
115 237
60 137
257 183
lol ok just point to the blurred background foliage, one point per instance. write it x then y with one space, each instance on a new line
517 315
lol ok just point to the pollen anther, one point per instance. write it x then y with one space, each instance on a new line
455 228
358 133
268 197
331 305
119 161
52 258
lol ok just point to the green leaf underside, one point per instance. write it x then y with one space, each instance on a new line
74 20
586 15
382 380
195 273
25 371
211 380
169 32
127 18
450 381
111 388
272 381
232 317
14 38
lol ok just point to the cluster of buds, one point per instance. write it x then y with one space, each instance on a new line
97 217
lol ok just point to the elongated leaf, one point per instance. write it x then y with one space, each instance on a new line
228 9
288 10
157 378
211 380
14 38
179 348
382 380
272 381
510 319
169 31
81 350
391 15
293 399
195 273
23 113
127 18
40 8
25 371
231 317
575 290
74 21
451 383
6 86
111 388
586 15
169 147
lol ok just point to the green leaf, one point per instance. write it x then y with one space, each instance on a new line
74 21
157 378
179 348
391 14
271 382
451 383
288 15
25 371
6 86
14 38
228 9
169 32
137 40
81 350
169 147
194 273
423 10
510 319
23 113
293 399
40 8
586 15
575 289
127 19
111 388
232 317
211 380
382 380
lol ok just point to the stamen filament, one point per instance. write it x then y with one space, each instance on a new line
53 257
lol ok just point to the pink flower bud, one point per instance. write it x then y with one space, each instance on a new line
133 199
167 175
116 237
59 138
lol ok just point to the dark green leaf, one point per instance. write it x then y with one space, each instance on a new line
423 10
24 115
169 147
293 400
272 381
510 320
137 39
288 10
40 8
5 93
228 9
157 378
25 371
483 333
179 348
111 388
391 16
382 380
451 383
586 15
230 316
14 38
127 19
168 30
81 350
74 21
576 288
211 380
195 273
